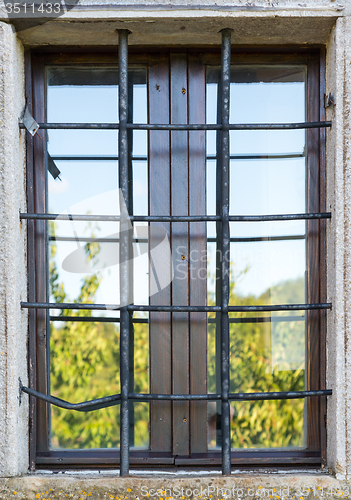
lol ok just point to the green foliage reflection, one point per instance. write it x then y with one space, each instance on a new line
84 364
265 357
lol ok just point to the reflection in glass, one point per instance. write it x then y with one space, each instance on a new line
84 361
267 259
84 365
83 264
267 353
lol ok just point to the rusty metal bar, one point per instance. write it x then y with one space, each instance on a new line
105 402
176 218
124 246
148 308
224 165
203 126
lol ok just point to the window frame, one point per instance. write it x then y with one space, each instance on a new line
315 455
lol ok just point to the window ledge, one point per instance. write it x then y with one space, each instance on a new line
277 484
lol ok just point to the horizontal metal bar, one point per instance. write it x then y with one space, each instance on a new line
176 218
93 240
70 217
94 158
232 126
167 126
263 396
281 307
147 308
117 307
154 308
76 126
94 404
116 218
235 396
256 308
279 126
94 319
130 126
259 156
173 126
261 238
70 305
262 319
208 157
278 217
174 397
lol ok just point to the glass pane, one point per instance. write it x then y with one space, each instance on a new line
269 269
268 424
267 94
140 382
267 259
84 256
84 365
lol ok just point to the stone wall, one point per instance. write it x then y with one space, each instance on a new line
13 281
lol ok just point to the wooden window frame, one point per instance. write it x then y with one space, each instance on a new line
315 454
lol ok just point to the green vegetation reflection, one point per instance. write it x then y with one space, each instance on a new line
265 356
84 365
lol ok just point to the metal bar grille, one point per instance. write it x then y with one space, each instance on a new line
224 164
125 241
205 126
97 404
189 309
176 218
124 247
259 156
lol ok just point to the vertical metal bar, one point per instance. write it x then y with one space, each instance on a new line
124 282
130 243
225 249
218 267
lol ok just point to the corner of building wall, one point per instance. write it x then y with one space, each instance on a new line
13 274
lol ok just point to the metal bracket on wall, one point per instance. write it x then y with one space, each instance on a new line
329 100
30 124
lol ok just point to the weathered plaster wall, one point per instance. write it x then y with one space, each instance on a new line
335 252
339 248
13 288
347 225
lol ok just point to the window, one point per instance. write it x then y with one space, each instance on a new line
196 284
